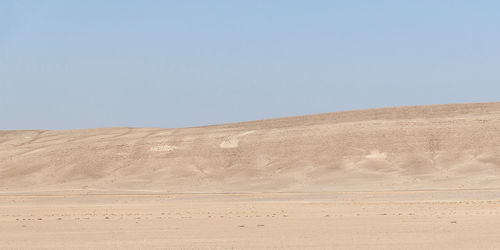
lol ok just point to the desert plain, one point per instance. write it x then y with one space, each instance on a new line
421 177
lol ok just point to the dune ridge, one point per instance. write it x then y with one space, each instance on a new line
452 146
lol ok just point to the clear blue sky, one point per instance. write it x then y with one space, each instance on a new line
83 64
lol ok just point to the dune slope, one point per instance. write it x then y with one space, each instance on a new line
405 148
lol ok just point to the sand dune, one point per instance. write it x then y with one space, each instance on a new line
394 178
406 148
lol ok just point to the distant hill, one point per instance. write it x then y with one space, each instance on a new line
405 148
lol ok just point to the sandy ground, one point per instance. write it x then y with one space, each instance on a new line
387 220
395 178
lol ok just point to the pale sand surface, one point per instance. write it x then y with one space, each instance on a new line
386 220
397 178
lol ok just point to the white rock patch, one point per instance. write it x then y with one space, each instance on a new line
232 141
375 154
162 148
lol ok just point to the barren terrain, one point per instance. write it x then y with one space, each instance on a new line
392 178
